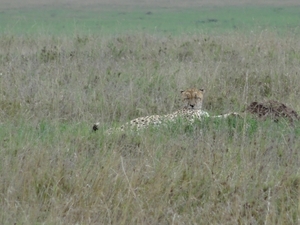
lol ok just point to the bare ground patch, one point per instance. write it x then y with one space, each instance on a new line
272 109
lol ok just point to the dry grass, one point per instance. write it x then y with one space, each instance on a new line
54 170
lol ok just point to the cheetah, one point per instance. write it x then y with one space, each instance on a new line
192 100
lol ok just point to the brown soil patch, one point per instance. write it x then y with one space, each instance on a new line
272 109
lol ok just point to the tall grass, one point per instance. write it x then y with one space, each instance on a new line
55 170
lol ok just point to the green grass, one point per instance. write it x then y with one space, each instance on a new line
103 20
55 170
205 173
64 68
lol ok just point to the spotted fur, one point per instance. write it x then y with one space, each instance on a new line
192 109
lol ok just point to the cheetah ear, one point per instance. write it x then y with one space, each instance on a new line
202 90
181 92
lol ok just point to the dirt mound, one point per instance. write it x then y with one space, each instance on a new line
272 109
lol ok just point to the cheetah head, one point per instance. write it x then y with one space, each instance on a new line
192 98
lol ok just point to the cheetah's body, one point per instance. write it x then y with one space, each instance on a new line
191 111
192 100
154 120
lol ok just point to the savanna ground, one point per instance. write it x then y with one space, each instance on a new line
55 170
160 17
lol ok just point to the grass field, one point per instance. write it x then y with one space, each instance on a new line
54 84
106 19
